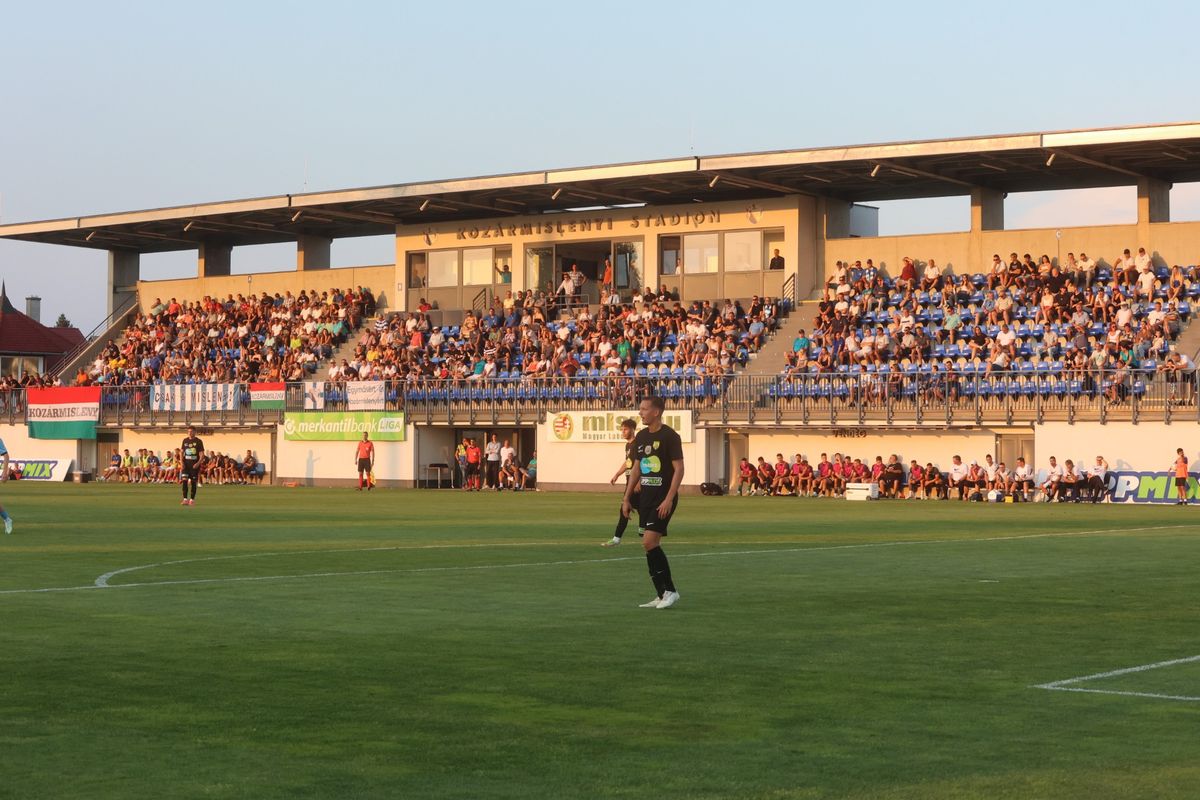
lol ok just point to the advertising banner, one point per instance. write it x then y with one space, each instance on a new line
364 396
195 396
314 395
571 427
344 426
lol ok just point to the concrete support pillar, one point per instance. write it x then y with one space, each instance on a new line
987 210
1153 205
213 259
312 252
124 269
835 215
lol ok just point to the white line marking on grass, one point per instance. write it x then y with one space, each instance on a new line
103 581
1066 685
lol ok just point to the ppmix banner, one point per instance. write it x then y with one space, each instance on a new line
63 412
344 426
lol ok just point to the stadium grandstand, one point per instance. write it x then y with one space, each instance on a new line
752 291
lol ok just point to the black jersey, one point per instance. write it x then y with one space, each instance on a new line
192 448
656 454
630 458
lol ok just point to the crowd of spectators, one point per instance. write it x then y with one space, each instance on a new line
243 338
147 466
1075 322
517 338
1069 482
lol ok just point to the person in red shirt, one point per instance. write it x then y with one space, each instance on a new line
766 475
783 476
474 462
364 458
802 476
745 477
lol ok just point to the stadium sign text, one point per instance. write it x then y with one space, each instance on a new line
344 426
509 230
571 427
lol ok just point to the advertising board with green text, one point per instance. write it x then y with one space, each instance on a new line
344 426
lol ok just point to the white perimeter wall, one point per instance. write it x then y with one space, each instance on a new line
310 462
234 445
23 448
1146 446
595 462
933 446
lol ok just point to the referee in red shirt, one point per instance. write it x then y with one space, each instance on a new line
364 457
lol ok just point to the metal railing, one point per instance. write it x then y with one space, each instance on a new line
68 359
890 397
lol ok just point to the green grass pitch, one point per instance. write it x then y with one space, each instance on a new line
313 643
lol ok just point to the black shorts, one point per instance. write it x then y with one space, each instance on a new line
189 471
648 519
1181 482
472 469
364 465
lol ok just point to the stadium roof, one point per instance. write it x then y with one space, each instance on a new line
1027 162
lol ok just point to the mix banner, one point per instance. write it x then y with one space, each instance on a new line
267 395
195 396
364 396
344 426
571 427
63 412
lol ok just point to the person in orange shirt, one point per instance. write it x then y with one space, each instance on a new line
474 462
608 276
1181 477
364 457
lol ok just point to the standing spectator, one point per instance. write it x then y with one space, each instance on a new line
776 261
474 466
607 278
492 451
1181 477
1097 481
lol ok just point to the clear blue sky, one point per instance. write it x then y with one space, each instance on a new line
126 105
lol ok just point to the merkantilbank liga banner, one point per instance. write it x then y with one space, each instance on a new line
344 426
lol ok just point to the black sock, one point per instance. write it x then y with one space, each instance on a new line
655 577
622 523
660 570
193 485
183 485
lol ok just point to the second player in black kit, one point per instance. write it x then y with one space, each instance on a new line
657 473
192 448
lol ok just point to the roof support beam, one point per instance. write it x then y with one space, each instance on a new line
1096 162
753 183
925 173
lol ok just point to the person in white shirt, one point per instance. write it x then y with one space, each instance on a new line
1097 482
507 453
1054 474
1125 269
492 454
989 470
1002 478
1142 261
957 475
1021 480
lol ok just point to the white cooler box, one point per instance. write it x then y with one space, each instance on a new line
862 491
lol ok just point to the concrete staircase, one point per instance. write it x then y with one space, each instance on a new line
772 358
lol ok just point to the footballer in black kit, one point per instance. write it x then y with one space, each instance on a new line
656 475
628 428
192 449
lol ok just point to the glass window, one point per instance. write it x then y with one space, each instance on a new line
8 367
477 266
743 251
628 269
772 241
32 365
539 268
669 255
418 272
443 268
700 253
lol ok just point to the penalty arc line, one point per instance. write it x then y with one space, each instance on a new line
481 567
